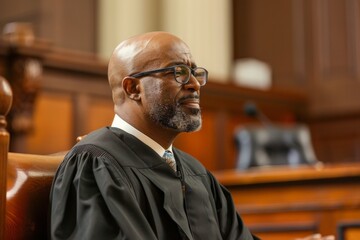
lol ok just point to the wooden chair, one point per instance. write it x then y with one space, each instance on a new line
349 230
25 184
271 145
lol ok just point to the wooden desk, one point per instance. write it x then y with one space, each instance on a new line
284 203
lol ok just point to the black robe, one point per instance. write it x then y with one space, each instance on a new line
113 186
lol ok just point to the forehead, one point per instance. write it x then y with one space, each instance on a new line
149 51
166 50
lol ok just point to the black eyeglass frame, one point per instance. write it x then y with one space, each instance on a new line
173 68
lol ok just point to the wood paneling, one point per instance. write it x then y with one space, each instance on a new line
309 44
313 45
333 64
337 139
81 79
283 203
57 124
101 113
67 24
265 30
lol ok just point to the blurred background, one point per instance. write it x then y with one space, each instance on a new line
297 60
291 66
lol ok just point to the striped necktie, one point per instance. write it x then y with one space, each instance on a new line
169 159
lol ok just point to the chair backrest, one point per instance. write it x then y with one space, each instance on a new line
25 184
274 145
29 179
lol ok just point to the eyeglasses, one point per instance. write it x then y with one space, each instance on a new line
182 73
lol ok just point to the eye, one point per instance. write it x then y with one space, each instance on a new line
181 71
199 73
169 72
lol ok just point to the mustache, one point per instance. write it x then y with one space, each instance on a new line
182 99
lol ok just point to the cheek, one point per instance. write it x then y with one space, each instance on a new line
158 94
153 95
152 87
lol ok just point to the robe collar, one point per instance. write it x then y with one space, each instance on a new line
120 123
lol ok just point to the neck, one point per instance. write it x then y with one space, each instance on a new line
163 136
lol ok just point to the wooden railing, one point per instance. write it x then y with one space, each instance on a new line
5 104
25 181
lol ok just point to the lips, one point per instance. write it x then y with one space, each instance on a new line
192 102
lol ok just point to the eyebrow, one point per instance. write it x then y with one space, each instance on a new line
192 64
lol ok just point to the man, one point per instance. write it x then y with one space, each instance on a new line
115 184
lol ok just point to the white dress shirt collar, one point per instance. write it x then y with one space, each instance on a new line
118 122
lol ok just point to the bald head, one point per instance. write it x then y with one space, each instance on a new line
141 53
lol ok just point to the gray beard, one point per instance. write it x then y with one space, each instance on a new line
170 116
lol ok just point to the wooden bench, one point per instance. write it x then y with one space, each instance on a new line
25 184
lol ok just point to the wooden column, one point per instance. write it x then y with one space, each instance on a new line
5 104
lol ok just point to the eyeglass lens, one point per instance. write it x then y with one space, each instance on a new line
182 74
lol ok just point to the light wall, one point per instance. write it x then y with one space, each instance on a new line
205 25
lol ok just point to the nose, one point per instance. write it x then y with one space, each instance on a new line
192 84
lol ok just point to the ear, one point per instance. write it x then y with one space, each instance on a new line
131 88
